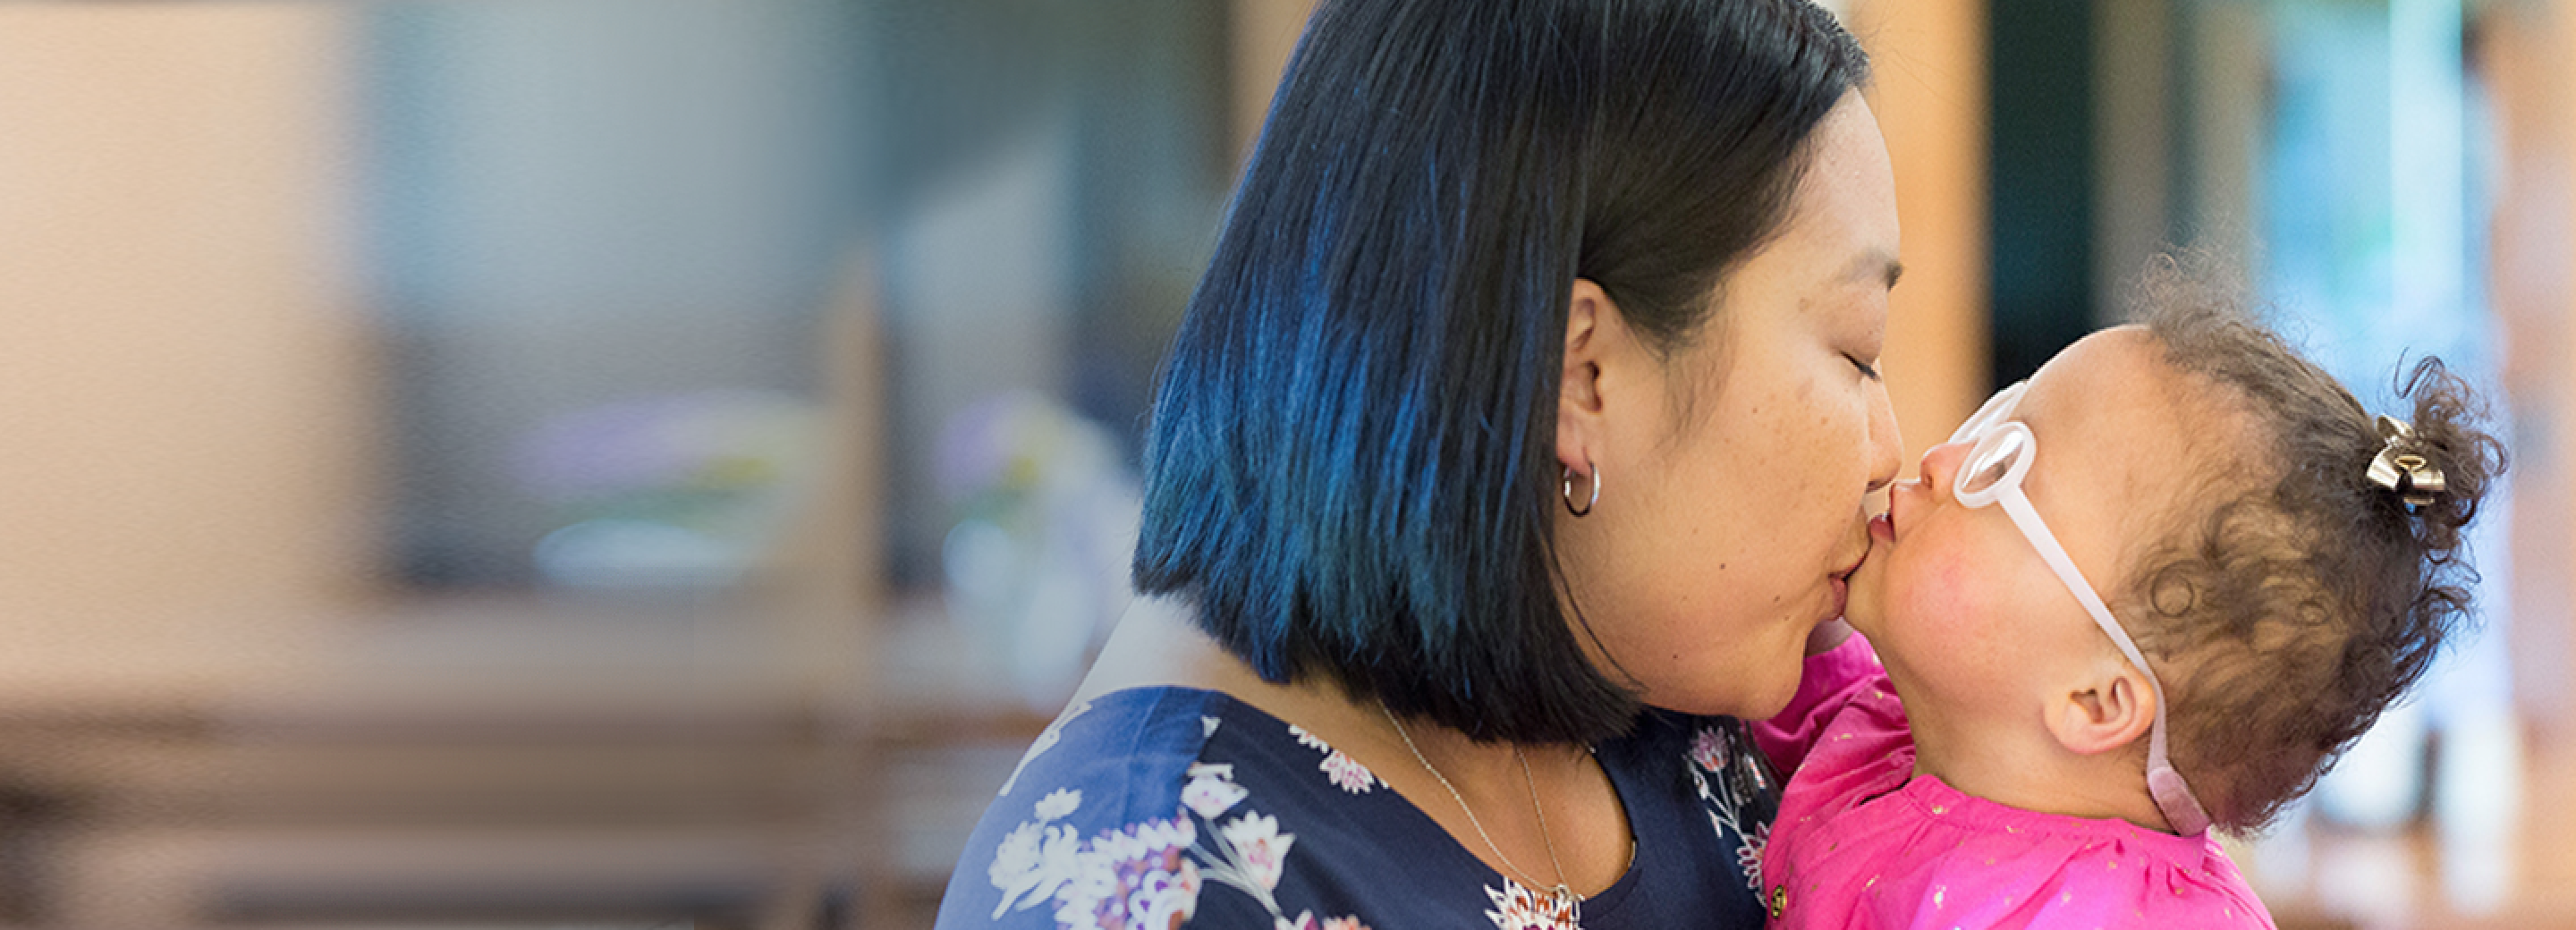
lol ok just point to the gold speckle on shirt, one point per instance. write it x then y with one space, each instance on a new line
1937 894
1873 880
2066 897
2009 828
1940 809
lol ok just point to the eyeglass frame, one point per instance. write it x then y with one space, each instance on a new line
1992 430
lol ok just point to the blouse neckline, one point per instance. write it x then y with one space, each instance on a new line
1621 782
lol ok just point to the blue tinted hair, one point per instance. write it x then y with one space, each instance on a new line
1351 462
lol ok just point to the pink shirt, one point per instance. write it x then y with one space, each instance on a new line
1862 841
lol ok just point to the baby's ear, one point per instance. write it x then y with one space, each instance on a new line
2110 709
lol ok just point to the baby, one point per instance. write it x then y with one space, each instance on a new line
2153 590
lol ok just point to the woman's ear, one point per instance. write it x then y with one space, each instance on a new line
1591 325
2113 708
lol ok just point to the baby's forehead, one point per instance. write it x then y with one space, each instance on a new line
2172 443
2123 376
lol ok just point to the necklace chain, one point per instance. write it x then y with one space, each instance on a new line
1563 892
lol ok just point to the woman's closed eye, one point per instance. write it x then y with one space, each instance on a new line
1867 370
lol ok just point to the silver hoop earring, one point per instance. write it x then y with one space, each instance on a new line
1568 491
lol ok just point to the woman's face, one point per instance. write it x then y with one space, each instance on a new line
1733 471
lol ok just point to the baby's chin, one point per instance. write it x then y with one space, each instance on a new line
1864 605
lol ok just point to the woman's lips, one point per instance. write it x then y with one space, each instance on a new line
1882 528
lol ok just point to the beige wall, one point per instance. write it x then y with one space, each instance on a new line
183 381
1265 33
2530 57
1930 61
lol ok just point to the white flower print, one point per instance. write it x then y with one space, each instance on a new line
1208 726
1149 875
1308 740
1032 864
1212 791
1133 879
1345 772
1046 740
1259 847
1718 753
1058 803
1306 921
1748 855
1164 901
1519 908
1711 747
1249 855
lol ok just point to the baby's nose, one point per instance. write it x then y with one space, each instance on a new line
1941 462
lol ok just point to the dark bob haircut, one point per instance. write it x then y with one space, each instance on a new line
1351 461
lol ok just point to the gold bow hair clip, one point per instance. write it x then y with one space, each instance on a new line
2400 468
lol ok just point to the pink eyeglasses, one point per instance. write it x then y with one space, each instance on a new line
1992 474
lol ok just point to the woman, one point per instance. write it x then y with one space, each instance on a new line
1513 445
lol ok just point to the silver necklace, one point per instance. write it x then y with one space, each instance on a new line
1566 899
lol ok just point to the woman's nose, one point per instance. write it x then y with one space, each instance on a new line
1886 442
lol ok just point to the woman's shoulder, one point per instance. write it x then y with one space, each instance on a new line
1151 804
1163 802
1119 742
1147 746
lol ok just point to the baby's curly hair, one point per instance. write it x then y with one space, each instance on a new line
2286 617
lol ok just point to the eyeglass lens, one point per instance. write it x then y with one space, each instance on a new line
1995 410
1991 460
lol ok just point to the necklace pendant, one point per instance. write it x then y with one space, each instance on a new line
1569 904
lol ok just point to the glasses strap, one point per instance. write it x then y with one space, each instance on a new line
2174 798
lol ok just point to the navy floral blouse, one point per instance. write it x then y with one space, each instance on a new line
1165 807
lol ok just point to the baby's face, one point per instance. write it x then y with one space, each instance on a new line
1958 602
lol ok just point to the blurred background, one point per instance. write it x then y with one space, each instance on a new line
651 463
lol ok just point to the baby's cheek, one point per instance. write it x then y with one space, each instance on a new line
1941 598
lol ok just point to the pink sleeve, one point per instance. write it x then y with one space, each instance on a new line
1833 677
